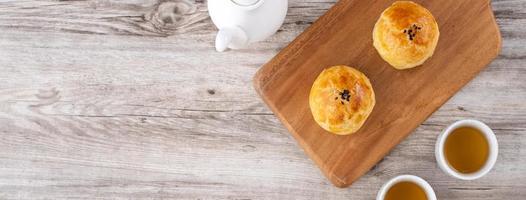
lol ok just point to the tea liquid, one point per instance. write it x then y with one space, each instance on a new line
405 191
466 150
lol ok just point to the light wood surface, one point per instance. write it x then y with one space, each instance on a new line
469 40
110 99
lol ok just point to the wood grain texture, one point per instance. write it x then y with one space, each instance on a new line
469 40
99 102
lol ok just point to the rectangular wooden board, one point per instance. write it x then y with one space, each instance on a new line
469 40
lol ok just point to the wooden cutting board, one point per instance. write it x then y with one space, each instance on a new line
469 40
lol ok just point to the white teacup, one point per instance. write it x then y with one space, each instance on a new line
430 193
484 130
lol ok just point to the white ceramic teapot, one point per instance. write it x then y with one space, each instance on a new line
241 22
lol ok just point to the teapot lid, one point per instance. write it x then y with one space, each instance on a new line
248 4
245 2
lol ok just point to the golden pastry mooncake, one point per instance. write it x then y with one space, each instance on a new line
405 35
341 99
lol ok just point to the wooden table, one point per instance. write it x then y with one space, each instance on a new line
110 99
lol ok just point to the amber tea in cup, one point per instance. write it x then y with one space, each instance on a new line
405 190
406 187
466 149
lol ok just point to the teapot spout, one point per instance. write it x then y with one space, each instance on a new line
223 39
231 37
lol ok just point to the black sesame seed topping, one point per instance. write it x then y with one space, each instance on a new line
411 31
345 95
